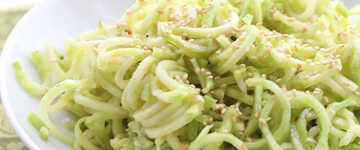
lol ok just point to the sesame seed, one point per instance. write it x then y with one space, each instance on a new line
276 16
339 68
332 112
243 146
233 119
256 115
352 31
211 77
236 29
299 67
326 100
217 77
317 89
160 11
197 71
225 131
308 115
278 80
177 77
217 52
210 120
242 38
306 77
202 70
259 24
204 123
186 47
169 32
247 50
222 95
248 139
129 11
317 63
239 113
290 99
263 76
223 86
223 111
317 92
306 45
291 19
263 103
52 60
293 92
185 76
208 73
284 88
209 35
262 121
192 86
288 55
250 75
357 93
191 40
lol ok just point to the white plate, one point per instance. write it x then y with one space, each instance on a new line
52 20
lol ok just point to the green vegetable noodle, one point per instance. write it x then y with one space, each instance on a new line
206 74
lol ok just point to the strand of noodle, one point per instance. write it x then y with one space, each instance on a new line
81 139
51 56
284 103
239 53
61 102
302 100
144 113
45 104
124 67
110 42
130 99
309 10
100 106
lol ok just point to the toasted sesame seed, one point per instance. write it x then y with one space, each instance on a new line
317 89
204 123
202 70
299 66
326 100
217 52
332 112
278 80
223 111
283 87
262 121
191 40
290 99
308 115
250 75
247 49
243 146
242 38
357 93
169 32
288 55
197 71
339 68
306 77
352 31
317 92
52 60
211 77
208 35
210 120
186 47
291 19
256 115
129 11
263 76
259 24
160 11
233 119
208 73
263 103
293 92
236 29
185 76
222 95
223 86
225 131
248 139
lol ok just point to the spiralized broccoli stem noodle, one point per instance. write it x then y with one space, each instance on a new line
206 74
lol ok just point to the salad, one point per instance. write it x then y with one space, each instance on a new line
207 74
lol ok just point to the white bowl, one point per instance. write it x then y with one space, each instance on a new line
52 20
